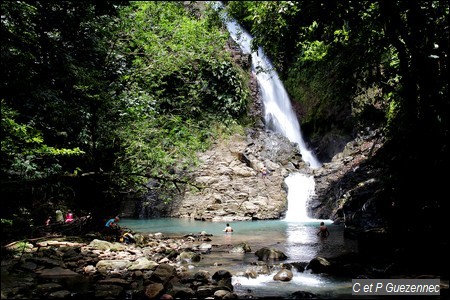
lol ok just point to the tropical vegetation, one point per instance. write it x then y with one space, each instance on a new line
103 101
99 99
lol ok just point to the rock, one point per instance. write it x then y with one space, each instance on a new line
188 257
58 272
63 294
265 254
221 294
260 268
345 186
233 188
158 235
241 248
105 266
114 281
205 248
180 291
142 263
205 291
221 274
108 291
319 265
283 275
46 288
202 276
89 270
251 273
163 273
154 291
100 244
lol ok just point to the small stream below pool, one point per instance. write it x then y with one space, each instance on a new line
298 240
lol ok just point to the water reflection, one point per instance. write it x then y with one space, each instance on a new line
298 240
299 234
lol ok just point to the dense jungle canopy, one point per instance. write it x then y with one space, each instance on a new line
100 98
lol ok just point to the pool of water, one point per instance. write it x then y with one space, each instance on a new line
298 240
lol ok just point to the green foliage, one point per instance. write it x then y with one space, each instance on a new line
361 48
315 50
24 153
326 52
122 93
392 114
180 84
181 61
6 222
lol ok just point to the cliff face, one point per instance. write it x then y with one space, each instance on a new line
229 185
346 187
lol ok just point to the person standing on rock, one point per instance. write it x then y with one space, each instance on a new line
263 171
323 230
112 230
59 216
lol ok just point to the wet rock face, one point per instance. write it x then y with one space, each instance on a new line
346 187
230 185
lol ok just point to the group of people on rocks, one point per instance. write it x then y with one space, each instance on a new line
112 231
60 218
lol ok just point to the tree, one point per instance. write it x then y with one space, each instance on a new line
57 89
116 94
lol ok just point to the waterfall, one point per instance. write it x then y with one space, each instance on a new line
301 189
279 117
278 113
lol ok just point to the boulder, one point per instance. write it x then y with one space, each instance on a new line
265 254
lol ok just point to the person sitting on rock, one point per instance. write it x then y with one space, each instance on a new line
69 216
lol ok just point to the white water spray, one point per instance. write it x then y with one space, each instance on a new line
301 189
279 117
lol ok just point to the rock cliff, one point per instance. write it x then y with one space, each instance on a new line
230 186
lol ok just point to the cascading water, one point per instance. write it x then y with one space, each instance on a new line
279 117
301 189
